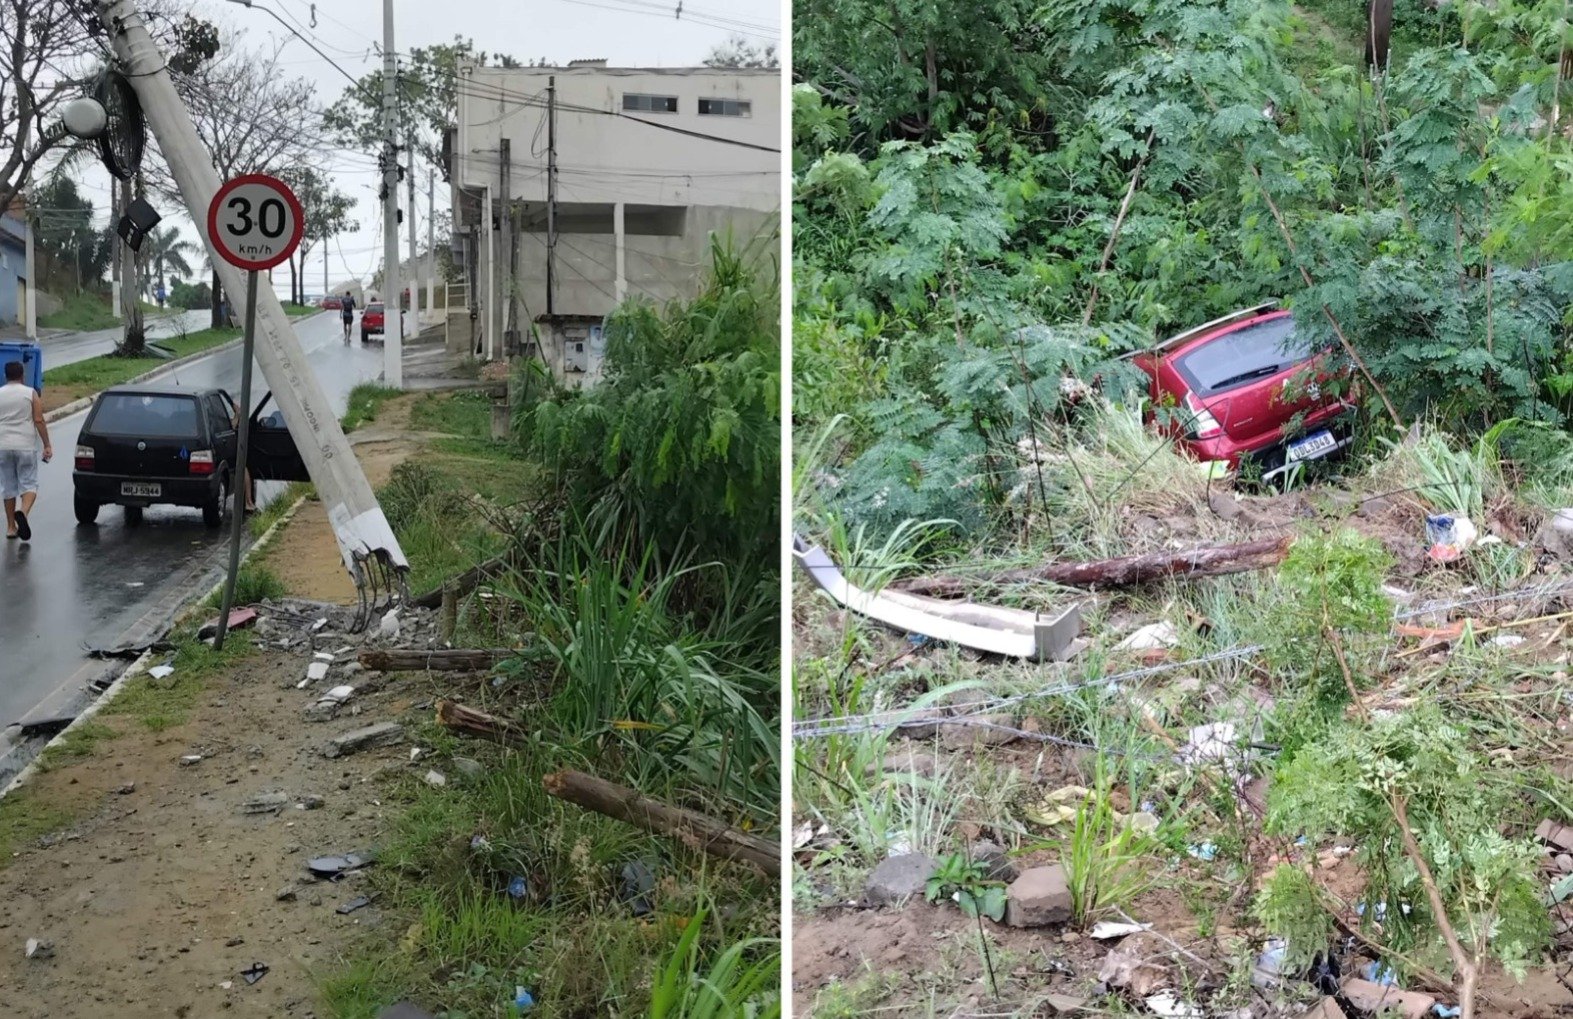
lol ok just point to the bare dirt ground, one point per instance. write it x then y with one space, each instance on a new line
165 889
168 890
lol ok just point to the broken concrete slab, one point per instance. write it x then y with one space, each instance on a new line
1369 996
1327 1008
1559 835
1038 898
383 734
266 803
898 878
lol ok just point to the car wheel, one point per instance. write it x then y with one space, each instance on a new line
86 510
213 509
133 515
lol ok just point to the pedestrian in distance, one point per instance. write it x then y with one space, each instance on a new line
347 312
21 428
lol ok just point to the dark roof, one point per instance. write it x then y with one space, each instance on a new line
155 389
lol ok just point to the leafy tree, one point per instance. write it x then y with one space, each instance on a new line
71 250
166 248
327 212
739 52
190 295
428 99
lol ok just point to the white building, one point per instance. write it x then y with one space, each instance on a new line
649 164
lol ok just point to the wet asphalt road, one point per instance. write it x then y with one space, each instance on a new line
72 347
73 587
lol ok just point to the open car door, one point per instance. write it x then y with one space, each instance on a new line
273 456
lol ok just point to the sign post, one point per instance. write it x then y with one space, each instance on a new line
255 222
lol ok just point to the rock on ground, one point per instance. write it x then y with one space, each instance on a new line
1038 898
897 879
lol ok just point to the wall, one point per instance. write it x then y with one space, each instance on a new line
13 266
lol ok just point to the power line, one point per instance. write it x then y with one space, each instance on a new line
696 17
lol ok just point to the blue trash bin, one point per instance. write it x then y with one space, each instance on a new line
32 358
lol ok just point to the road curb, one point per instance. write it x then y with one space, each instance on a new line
9 741
77 406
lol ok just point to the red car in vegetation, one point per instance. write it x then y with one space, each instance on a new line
1248 388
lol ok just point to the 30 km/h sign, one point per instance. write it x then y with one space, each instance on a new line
255 221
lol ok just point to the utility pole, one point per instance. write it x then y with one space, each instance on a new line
325 290
116 210
409 220
504 263
393 330
431 238
358 522
551 195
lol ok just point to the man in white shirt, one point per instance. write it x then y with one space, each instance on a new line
21 426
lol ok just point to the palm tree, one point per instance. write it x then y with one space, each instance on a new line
165 248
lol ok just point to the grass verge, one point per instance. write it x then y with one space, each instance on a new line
84 378
162 704
365 400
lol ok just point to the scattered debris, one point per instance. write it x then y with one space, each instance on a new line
471 722
1152 637
523 1000
311 801
438 660
436 778
316 671
518 888
1137 965
1449 537
898 878
37 949
161 671
265 803
1267 972
1038 898
190 759
1327 1008
337 866
638 882
1166 1004
1558 835
359 902
1107 930
381 734
997 865
468 767
388 629
256 971
286 894
239 619
404 1010
1373 997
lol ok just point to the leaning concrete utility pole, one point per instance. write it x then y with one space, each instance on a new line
393 329
365 539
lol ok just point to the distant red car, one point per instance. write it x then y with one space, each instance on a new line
371 321
332 303
1235 385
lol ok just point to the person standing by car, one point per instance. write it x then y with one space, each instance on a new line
21 426
347 312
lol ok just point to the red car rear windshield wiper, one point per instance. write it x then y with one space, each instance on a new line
1255 373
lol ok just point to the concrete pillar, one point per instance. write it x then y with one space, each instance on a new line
621 289
30 314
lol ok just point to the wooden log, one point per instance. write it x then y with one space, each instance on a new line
465 582
689 827
470 722
456 660
1125 571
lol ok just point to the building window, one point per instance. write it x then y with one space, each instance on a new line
649 104
725 108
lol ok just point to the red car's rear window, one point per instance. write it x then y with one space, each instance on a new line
1243 356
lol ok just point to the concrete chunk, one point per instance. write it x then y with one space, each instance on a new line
1369 996
1056 634
1038 898
897 879
1327 1008
382 734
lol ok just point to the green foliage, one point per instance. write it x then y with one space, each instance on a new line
743 981
1337 579
1347 783
1290 906
190 296
1105 859
72 253
682 435
960 878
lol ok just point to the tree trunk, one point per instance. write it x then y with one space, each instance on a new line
457 660
294 294
471 722
1122 572
691 828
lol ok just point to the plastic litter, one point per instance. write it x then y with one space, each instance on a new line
1447 1011
1204 852
436 779
1152 637
638 881
1166 1004
335 866
1380 973
161 671
518 887
1103 930
316 671
1269 967
37 949
1208 743
479 843
523 1000
1449 537
256 971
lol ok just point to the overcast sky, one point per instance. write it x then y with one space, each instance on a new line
633 33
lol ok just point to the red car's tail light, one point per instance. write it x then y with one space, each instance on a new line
1202 424
85 458
202 461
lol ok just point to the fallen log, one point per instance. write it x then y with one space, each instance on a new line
693 829
1126 571
470 722
457 660
465 582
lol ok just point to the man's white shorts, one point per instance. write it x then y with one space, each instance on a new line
18 472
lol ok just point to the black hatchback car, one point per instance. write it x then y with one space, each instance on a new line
160 444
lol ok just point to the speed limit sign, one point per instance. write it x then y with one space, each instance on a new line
255 221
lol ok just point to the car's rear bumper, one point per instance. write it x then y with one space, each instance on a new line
1270 451
105 489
